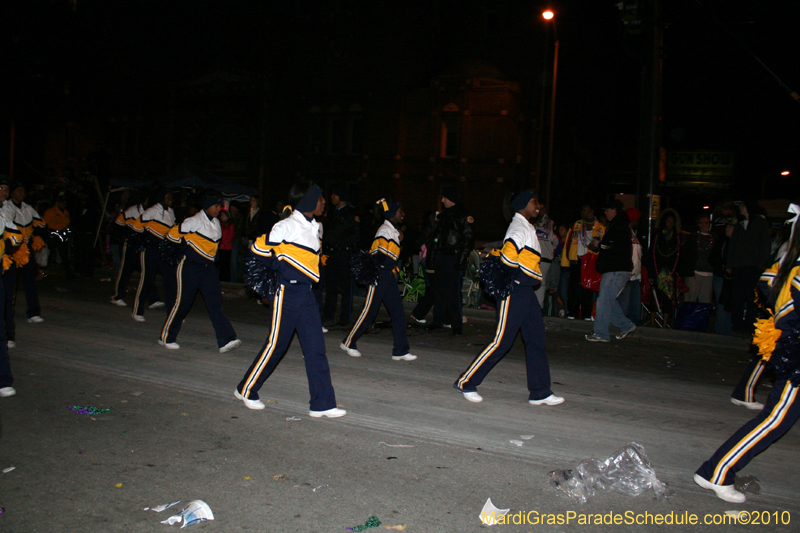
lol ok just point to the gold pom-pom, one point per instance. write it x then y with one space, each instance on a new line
22 255
7 262
37 243
765 337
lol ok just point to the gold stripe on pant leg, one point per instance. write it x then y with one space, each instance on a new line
269 349
178 293
489 350
367 305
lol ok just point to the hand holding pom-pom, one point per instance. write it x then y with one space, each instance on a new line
171 252
365 269
260 277
496 278
22 255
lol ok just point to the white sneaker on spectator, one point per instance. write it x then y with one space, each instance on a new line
35 320
5 392
350 351
156 305
624 334
235 343
595 338
406 357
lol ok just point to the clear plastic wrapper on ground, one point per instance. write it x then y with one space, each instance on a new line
628 471
194 512
748 483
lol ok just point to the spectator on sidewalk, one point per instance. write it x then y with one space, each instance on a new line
583 238
747 257
699 246
631 297
615 264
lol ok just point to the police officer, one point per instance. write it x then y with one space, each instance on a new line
449 247
340 240
156 221
199 236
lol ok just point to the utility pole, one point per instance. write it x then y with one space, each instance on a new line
650 158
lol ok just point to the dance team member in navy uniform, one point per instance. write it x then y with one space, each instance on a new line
519 310
385 250
782 284
199 235
293 249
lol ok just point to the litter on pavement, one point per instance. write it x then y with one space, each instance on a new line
162 507
372 521
628 472
489 513
196 511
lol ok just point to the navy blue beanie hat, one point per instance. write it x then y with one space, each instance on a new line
212 200
309 201
521 200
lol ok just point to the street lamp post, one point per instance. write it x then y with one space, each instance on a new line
548 15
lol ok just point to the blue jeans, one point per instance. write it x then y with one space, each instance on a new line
608 309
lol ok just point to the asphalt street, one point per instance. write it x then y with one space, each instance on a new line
411 450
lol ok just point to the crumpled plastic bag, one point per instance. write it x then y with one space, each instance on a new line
194 512
628 471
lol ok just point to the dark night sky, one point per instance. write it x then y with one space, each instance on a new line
716 95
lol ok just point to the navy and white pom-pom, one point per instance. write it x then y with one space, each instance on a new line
171 252
260 277
496 278
365 269
137 242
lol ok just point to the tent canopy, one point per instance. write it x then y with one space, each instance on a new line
190 175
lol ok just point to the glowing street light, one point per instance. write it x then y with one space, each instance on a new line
549 16
785 173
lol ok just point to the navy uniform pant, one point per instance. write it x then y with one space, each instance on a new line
778 416
6 378
745 391
151 264
519 311
130 261
9 302
294 309
192 277
387 292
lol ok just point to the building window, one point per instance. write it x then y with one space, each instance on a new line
450 134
